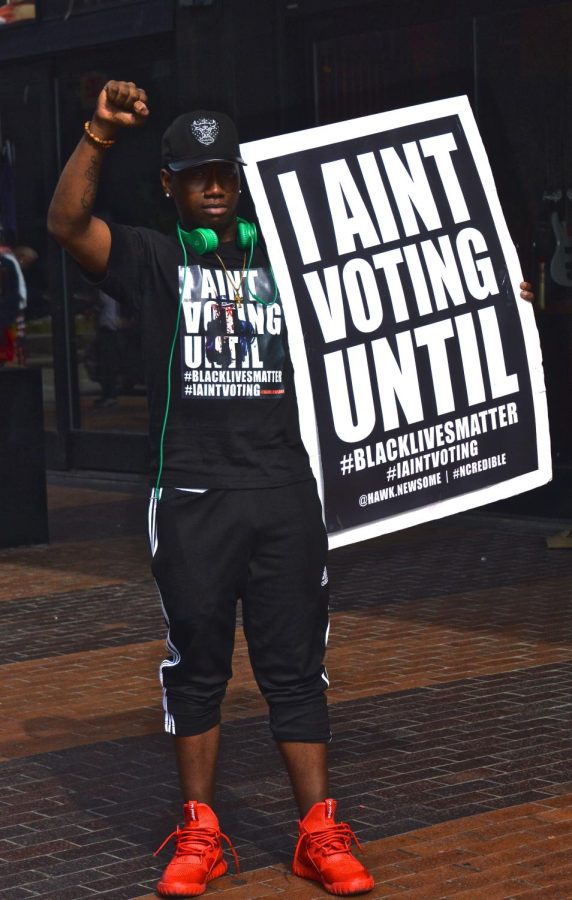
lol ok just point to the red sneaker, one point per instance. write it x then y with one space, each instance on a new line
198 853
323 853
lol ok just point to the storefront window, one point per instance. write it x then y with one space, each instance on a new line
360 74
26 338
57 9
524 63
86 346
108 361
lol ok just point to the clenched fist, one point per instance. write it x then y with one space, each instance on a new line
121 104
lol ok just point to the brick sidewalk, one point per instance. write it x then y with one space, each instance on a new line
451 667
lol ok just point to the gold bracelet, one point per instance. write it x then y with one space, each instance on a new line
99 142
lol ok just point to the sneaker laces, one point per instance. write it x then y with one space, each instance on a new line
197 842
335 838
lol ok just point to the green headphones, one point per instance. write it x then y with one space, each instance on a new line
205 240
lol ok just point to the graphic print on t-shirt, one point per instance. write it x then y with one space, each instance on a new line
231 344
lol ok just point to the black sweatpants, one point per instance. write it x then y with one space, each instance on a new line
267 547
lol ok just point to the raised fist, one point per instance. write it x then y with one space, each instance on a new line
121 103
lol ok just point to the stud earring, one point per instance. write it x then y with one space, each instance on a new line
167 195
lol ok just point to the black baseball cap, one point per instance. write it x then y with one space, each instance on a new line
199 137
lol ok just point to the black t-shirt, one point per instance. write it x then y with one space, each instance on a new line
232 417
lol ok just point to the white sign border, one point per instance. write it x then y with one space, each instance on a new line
254 152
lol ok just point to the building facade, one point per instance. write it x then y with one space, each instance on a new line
276 66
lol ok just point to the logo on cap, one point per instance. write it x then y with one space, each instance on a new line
205 131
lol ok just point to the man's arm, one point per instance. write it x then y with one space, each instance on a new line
121 104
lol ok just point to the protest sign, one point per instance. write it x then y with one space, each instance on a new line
418 367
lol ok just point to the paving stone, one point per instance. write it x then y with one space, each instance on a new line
450 703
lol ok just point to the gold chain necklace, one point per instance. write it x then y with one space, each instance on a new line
237 288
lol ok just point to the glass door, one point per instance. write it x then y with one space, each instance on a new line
25 173
109 409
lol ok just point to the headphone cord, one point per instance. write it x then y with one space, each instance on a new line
169 367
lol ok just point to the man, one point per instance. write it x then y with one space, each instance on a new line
234 511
